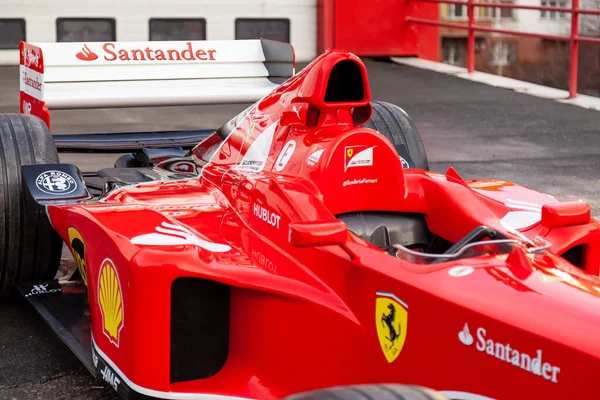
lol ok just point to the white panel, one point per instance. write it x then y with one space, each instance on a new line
31 82
231 51
155 93
146 72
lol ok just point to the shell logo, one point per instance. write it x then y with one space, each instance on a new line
110 299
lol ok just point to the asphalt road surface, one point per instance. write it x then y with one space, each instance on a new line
483 132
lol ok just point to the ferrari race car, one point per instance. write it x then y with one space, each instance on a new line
285 252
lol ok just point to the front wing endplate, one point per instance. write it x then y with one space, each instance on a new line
64 306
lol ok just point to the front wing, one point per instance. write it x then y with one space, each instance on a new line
64 306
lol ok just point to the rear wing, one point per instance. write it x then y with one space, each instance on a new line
141 74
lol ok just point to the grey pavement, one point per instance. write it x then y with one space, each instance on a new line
482 131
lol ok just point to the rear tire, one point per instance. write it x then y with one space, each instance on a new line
395 124
369 392
30 249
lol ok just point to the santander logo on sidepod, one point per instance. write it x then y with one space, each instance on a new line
86 54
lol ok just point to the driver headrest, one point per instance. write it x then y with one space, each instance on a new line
360 171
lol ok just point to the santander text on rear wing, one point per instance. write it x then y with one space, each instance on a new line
139 74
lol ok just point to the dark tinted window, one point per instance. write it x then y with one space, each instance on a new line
267 28
12 31
85 30
177 29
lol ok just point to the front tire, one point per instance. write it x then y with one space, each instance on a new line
395 124
30 249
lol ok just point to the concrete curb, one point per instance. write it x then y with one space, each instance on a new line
562 96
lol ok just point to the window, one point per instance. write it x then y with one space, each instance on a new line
85 30
457 11
454 50
503 12
177 29
503 53
12 31
268 28
553 14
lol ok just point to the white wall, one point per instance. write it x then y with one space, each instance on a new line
132 18
532 21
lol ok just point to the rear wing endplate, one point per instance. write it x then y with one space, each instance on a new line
142 74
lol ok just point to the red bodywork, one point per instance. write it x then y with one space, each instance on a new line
306 316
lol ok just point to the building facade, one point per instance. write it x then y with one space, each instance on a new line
500 53
363 27
147 20
542 61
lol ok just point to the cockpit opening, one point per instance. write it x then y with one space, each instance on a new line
384 229
406 236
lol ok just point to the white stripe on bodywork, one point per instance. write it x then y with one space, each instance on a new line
455 395
174 235
523 208
521 219
524 203
157 393
452 395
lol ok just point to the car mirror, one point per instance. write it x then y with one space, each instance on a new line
308 234
569 213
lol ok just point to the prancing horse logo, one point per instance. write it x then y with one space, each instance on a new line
391 318
388 320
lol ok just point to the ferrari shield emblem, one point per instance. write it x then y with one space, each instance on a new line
349 153
391 316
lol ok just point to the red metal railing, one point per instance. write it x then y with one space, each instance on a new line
574 39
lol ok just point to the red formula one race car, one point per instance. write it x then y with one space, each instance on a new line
303 245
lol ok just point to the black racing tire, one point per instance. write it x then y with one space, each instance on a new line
397 126
30 249
370 392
